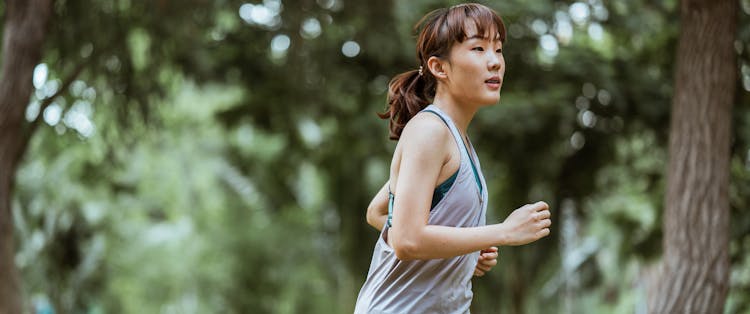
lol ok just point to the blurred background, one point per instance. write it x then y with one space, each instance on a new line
218 156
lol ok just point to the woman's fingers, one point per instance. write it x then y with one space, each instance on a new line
539 206
544 214
543 233
490 249
487 265
487 260
488 256
478 272
546 223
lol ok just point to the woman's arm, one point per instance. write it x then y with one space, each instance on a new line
424 147
377 211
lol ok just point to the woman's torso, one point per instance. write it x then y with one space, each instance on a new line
436 285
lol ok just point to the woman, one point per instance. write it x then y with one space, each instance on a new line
432 210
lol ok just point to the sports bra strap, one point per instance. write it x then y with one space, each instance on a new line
466 149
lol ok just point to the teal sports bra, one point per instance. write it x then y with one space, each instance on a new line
441 189
437 195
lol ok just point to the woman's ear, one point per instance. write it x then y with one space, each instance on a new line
437 67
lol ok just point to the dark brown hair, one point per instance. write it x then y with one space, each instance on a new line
438 31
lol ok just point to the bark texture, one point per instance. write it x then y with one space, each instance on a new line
694 273
24 31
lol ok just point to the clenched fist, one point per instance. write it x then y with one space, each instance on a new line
527 224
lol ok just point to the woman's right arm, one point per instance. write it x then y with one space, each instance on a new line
425 143
377 212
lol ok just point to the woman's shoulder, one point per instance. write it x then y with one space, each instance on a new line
425 131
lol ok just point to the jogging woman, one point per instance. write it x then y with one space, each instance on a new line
431 212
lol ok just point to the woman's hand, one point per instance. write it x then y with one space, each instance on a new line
487 260
377 211
527 224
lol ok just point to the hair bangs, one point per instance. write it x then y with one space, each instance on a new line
486 22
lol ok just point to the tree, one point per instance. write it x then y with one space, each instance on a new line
695 265
24 34
292 152
109 62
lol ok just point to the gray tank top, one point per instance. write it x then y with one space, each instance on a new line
436 285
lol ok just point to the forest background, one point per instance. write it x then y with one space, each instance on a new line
218 156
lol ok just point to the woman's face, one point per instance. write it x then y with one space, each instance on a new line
475 69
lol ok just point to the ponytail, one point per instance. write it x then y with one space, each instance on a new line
439 30
408 94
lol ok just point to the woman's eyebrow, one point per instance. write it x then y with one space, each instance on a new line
480 37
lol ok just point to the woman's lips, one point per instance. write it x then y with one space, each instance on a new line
493 83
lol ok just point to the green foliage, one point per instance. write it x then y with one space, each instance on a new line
225 174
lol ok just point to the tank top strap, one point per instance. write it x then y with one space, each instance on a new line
457 136
452 126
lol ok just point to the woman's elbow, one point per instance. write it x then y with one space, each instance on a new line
405 249
372 218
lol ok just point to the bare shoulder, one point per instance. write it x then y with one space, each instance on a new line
426 133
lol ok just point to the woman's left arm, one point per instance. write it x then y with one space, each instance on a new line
377 211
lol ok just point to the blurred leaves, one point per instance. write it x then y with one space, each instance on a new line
226 174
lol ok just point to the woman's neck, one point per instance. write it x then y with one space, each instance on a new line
460 114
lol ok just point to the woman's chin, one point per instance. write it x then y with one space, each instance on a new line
490 101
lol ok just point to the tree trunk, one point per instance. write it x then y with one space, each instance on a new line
23 37
694 271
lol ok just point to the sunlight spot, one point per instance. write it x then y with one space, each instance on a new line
332 5
266 14
78 118
37 241
582 103
77 88
539 27
549 44
577 140
32 110
327 18
280 44
350 49
40 75
86 50
310 132
50 88
52 114
89 94
273 5
326 4
261 15
587 119
596 32
218 35
579 12
113 64
604 97
562 28
600 12
311 28
589 90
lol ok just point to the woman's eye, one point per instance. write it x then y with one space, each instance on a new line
478 49
499 51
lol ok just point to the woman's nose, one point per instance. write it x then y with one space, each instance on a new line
493 63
